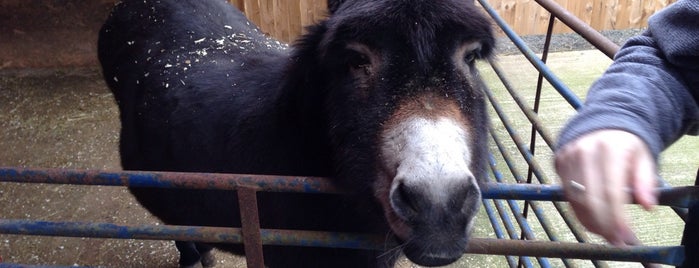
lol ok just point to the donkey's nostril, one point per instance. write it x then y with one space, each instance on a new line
464 196
405 201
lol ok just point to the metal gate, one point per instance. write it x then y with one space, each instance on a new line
509 218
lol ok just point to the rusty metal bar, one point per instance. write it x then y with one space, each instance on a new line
555 82
187 180
109 230
681 197
672 255
526 231
499 205
580 27
228 235
690 235
663 255
490 212
250 221
681 212
543 221
524 151
567 216
509 225
533 132
537 94
536 209
510 228
532 116
324 239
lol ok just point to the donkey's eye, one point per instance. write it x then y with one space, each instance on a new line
471 56
361 61
357 60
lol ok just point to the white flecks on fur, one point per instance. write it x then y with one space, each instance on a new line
430 153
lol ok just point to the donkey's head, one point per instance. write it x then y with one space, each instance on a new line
406 114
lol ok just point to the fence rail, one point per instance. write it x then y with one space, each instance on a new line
682 197
672 255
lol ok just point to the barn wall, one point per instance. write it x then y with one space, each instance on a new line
50 33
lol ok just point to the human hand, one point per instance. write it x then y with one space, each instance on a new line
597 171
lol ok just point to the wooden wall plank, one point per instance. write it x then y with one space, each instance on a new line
266 21
279 18
294 19
286 19
559 27
252 11
319 10
240 4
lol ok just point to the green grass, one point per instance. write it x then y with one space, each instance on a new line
577 69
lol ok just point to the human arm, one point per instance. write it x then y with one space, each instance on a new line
643 103
596 170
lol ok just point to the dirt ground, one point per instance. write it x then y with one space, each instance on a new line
68 119
64 118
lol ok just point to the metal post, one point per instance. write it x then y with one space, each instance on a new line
690 237
250 220
583 29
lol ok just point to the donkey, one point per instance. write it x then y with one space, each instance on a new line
383 97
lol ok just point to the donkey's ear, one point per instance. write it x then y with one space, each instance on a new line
333 5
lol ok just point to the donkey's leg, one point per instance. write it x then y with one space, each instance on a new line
207 255
189 255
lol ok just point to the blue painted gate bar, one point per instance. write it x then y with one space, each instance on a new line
666 255
678 196
682 197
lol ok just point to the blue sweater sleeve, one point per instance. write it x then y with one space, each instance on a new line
651 87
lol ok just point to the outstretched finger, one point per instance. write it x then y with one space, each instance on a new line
644 180
616 164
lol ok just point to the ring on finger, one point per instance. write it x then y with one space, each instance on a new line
577 186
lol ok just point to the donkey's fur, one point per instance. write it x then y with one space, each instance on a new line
382 96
